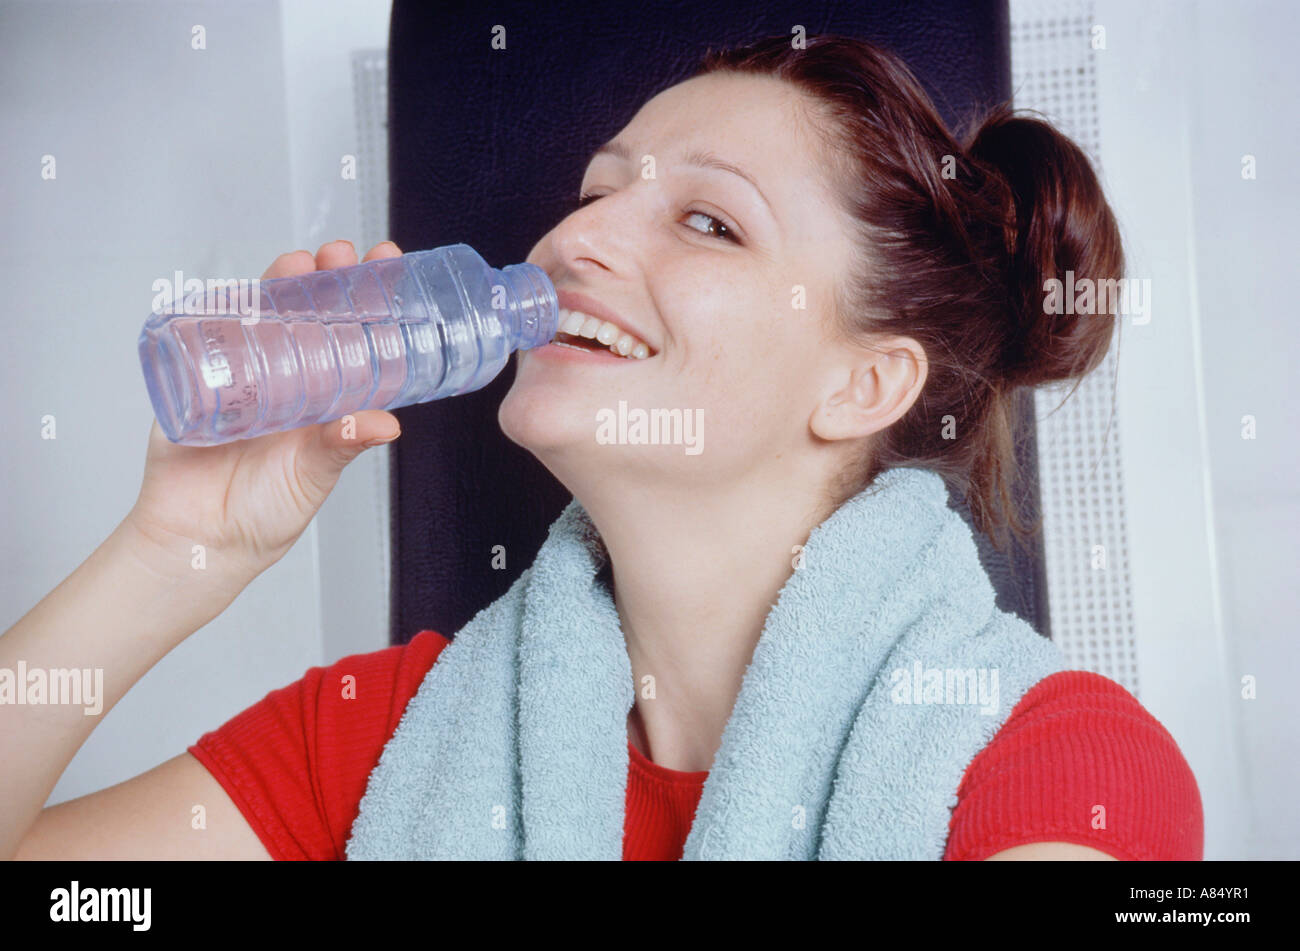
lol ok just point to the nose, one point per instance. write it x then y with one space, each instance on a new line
587 241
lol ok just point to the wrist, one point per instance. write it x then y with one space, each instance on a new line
181 562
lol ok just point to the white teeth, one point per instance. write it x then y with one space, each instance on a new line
577 324
571 321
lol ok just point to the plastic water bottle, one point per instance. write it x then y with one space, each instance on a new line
236 362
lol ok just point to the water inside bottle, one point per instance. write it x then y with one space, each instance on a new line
323 345
227 391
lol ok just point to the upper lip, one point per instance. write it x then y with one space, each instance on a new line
575 300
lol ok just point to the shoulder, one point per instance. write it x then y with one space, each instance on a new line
1079 761
296 762
368 690
383 680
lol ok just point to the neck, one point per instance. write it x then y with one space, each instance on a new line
695 575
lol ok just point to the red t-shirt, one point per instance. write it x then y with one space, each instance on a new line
1079 760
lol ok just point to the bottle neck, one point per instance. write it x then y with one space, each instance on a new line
534 311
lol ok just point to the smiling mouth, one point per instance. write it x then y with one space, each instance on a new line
594 347
581 331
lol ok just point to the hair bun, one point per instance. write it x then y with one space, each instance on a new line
1059 227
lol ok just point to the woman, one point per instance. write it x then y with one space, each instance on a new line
846 295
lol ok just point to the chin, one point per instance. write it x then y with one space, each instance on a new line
536 419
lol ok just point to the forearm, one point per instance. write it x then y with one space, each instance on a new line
105 625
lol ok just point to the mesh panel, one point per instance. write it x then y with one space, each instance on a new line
370 106
1053 69
370 100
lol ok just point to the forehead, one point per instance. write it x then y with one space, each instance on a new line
755 121
767 127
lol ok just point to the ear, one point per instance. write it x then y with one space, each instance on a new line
872 390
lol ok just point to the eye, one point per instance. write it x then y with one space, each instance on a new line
723 231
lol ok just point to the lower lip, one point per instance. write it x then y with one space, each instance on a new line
565 353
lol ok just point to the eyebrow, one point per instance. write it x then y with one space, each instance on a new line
697 157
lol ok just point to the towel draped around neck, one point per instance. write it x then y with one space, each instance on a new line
882 670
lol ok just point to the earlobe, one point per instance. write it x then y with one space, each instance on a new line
881 385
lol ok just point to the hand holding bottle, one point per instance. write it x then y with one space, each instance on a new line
247 501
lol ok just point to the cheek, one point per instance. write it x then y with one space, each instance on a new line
751 384
747 352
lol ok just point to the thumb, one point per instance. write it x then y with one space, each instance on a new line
342 440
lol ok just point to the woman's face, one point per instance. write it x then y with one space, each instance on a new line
728 281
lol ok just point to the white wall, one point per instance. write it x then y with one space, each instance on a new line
1245 239
1185 90
207 161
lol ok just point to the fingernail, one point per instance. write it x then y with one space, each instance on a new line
371 443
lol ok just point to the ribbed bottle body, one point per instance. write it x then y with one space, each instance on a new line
235 362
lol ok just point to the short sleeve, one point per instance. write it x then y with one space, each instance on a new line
1079 760
296 762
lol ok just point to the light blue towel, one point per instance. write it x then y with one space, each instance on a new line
848 739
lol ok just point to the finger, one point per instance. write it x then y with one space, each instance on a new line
290 264
365 425
156 436
384 249
334 254
342 440
158 441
